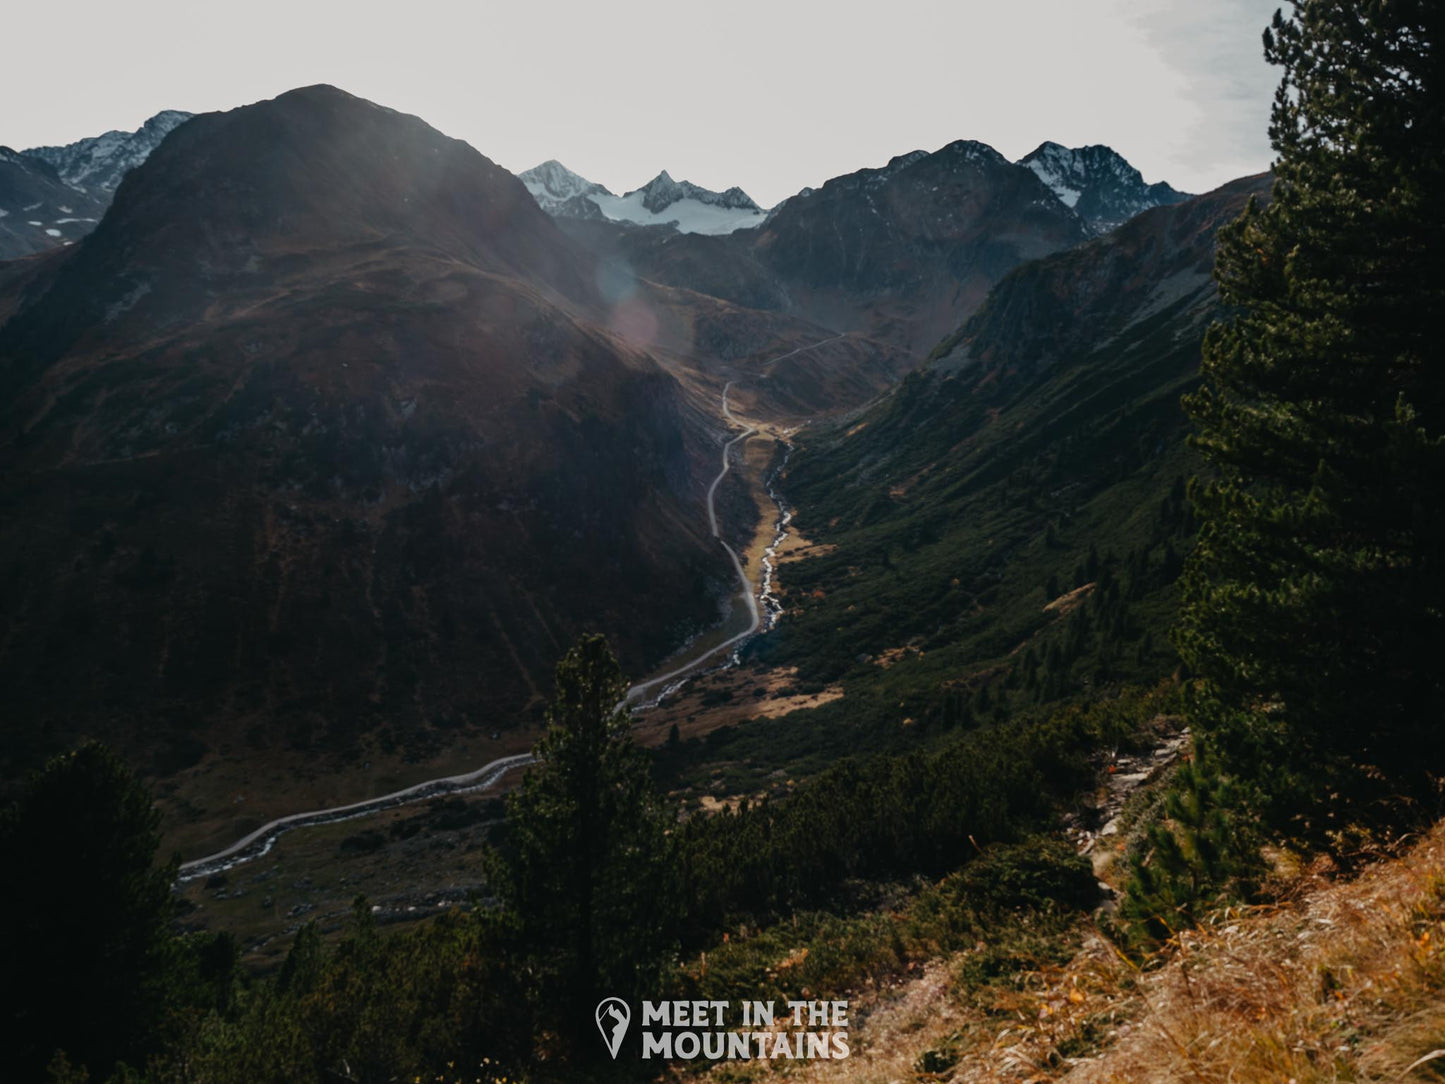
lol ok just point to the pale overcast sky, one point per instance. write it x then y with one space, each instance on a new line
771 95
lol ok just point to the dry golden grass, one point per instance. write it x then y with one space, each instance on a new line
1346 982
940 1027
697 714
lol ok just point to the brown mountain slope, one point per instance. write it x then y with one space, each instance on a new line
321 444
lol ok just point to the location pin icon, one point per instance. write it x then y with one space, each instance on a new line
613 1016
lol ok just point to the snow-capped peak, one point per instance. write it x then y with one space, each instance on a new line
661 202
552 185
1097 182
98 163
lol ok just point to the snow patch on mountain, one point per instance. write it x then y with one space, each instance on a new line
97 164
687 215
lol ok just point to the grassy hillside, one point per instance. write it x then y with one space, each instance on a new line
1004 531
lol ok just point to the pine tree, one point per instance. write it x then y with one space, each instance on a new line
86 918
589 873
1203 851
1314 604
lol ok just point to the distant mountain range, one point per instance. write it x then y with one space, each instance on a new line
661 201
52 196
1095 182
901 253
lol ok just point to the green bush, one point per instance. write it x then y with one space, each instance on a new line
1036 873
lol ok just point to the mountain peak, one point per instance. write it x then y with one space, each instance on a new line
558 190
322 93
319 169
661 192
972 150
1097 182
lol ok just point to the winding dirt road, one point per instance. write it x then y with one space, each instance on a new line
638 692
262 839
257 843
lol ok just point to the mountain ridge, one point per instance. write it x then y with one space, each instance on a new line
901 253
53 196
662 192
101 162
565 194
1094 181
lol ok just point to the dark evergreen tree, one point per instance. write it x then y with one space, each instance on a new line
589 869
86 918
1314 603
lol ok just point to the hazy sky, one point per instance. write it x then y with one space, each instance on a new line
771 96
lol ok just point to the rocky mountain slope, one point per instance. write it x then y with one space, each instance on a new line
907 250
899 254
98 164
1096 181
325 449
53 196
